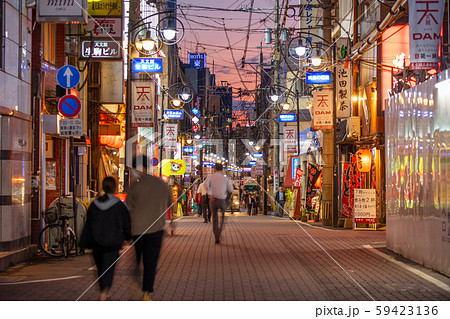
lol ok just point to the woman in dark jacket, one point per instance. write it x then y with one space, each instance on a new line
108 225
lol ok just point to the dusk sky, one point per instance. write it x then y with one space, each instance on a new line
221 31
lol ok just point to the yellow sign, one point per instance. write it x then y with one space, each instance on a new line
100 8
173 167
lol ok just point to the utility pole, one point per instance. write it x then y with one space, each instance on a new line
276 133
328 195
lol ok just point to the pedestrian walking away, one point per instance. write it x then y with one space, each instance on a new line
217 187
206 209
148 199
107 227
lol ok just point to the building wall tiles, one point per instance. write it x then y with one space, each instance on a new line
11 60
11 23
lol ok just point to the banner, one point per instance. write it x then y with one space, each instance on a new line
347 209
170 137
322 110
343 91
425 22
290 138
298 177
142 102
313 174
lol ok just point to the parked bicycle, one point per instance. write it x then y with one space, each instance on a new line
57 238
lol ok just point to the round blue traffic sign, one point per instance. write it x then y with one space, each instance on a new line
69 105
68 76
154 161
186 179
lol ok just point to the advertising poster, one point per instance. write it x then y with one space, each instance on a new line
173 167
365 206
142 102
50 175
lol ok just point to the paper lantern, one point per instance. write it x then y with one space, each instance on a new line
364 160
111 141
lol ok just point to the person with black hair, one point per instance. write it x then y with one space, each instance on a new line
218 188
148 200
108 226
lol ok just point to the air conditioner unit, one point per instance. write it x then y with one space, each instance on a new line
353 128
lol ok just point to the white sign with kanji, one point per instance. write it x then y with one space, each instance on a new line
170 137
323 110
142 104
343 91
71 127
188 161
365 206
290 138
425 20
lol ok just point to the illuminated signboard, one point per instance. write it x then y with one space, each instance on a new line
147 65
104 8
318 77
252 163
288 117
188 149
294 166
61 11
257 155
106 49
194 156
206 163
197 60
174 114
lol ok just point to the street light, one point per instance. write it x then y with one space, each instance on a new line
147 40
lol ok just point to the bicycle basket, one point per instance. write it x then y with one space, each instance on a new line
50 216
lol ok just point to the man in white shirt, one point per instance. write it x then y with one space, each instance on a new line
206 210
217 187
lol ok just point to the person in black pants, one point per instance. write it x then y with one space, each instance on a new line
108 226
148 200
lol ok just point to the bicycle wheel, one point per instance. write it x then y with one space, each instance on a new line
69 242
51 240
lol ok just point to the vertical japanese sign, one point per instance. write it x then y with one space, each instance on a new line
425 21
170 137
298 177
313 174
188 160
343 91
347 209
290 138
365 206
323 110
142 102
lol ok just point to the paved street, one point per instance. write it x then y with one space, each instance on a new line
259 258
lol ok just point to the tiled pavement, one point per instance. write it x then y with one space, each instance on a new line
259 258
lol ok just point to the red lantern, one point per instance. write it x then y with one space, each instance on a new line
111 141
364 160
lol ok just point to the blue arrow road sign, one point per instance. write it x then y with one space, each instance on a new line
68 76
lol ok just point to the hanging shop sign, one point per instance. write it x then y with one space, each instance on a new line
70 127
365 206
343 91
318 77
173 114
347 209
425 20
170 137
142 102
323 110
259 167
257 155
147 65
290 138
294 166
105 49
104 27
188 149
287 117
62 11
107 8
173 167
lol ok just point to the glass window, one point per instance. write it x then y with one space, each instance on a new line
49 42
